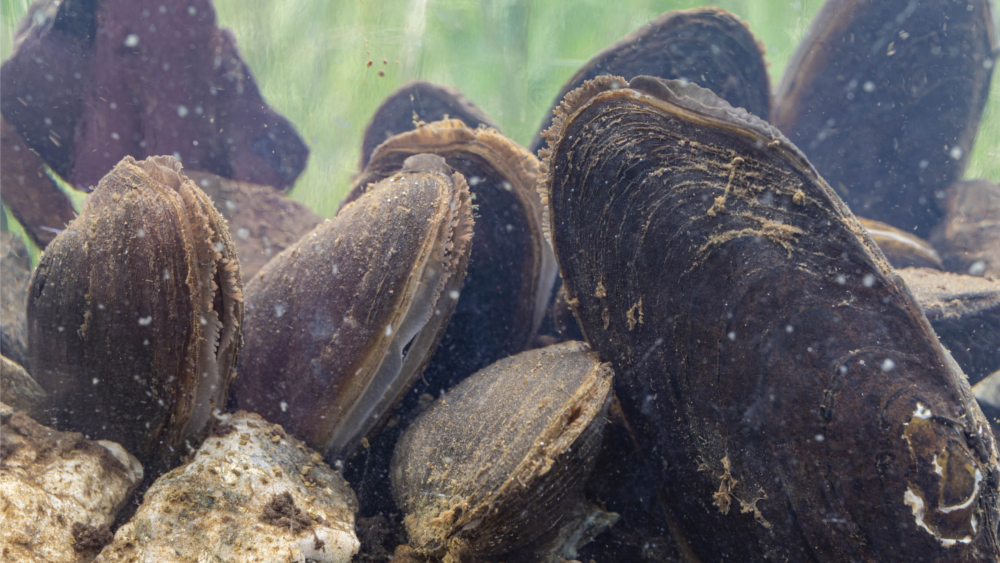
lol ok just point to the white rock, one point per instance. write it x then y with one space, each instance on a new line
59 492
251 494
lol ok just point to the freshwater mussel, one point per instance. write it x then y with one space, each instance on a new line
775 369
769 359
134 313
497 462
351 314
511 269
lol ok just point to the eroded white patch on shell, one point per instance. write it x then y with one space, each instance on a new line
916 505
921 412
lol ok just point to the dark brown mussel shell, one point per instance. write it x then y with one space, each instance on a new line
414 103
707 46
780 379
969 234
885 99
340 324
497 461
134 313
511 269
900 248
965 314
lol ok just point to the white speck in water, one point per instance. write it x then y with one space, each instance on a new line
60 328
955 153
243 233
203 321
192 10
977 268
195 142
229 204
789 329
888 364
141 233
96 381
509 227
819 437
100 306
182 111
507 186
145 342
284 406
219 247
388 330
868 280
731 335
453 294
198 110
177 155
166 274
868 86
987 63
131 40
146 321
279 308
115 136
335 269
446 459
924 164
474 181
841 279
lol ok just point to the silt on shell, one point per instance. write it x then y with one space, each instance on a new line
134 313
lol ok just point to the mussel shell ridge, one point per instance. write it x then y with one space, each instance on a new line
776 371
134 312
339 324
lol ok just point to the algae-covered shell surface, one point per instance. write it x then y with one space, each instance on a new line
779 377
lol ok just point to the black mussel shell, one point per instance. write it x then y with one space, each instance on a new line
340 324
415 103
779 377
134 314
885 99
511 269
707 46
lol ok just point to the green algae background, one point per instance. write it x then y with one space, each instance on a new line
510 57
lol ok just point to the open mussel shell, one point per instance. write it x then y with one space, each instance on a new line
885 99
414 103
900 248
493 464
511 269
969 234
778 376
707 46
965 314
339 324
134 313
